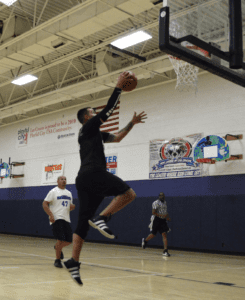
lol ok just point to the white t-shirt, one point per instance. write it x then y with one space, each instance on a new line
59 203
161 208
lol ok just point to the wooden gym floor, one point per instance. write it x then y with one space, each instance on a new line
116 272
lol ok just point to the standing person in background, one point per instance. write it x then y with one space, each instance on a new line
57 205
158 223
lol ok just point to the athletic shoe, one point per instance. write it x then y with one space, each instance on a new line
144 243
73 267
57 263
165 253
99 223
61 254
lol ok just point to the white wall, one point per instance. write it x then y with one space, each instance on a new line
218 108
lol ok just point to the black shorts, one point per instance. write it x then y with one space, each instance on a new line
159 225
62 230
92 188
101 184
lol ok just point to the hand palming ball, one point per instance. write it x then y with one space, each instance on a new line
130 81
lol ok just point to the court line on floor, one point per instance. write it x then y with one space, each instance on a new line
200 281
98 265
109 257
26 253
9 268
43 240
121 268
83 279
149 273
146 273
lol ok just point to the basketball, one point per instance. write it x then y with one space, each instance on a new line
130 82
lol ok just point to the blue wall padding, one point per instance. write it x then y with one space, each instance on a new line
207 213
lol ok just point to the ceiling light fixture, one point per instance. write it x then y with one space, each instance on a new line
24 79
132 39
8 2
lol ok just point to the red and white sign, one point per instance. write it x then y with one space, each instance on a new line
111 163
52 170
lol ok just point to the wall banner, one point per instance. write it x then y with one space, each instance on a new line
61 129
58 130
174 158
52 170
22 137
111 163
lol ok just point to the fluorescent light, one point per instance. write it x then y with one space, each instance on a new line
132 39
24 79
8 2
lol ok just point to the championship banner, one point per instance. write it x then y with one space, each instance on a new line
174 158
111 163
52 170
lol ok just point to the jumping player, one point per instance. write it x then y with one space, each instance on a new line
93 182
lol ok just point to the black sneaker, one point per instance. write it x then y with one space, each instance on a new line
144 243
61 254
57 263
99 223
165 253
73 267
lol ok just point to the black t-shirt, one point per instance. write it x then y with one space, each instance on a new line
91 148
91 138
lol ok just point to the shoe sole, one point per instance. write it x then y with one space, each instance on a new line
101 231
64 266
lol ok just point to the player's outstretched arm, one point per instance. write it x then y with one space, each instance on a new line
113 100
117 137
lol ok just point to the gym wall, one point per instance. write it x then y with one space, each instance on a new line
206 212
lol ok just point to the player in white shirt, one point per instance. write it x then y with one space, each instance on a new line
159 223
57 205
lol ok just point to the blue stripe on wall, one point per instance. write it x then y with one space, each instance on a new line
207 213
201 186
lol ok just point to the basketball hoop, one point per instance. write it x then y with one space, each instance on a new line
186 72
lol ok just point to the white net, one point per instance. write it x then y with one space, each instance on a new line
206 20
186 75
186 72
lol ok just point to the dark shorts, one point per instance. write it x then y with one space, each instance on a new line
100 184
92 188
62 230
159 225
